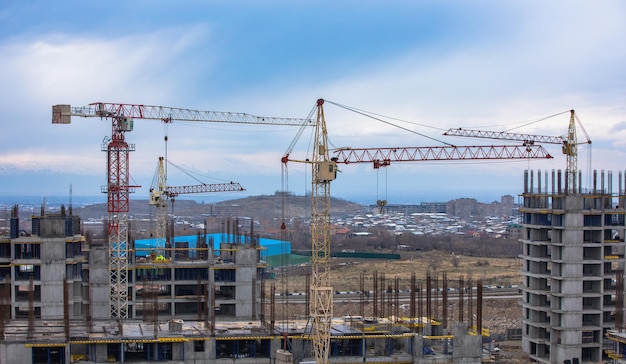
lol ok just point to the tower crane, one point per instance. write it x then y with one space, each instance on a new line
118 188
324 171
161 193
569 143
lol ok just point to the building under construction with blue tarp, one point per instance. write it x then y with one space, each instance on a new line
269 247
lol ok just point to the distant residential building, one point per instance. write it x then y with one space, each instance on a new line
466 208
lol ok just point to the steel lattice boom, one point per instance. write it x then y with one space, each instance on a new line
382 157
528 139
61 114
213 187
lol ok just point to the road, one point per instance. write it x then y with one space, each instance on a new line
405 296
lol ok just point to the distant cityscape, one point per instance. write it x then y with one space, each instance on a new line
461 216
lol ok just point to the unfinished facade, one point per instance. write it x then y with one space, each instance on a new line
573 262
205 307
55 290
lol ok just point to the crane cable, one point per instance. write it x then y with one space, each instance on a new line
286 214
299 134
531 122
283 238
373 116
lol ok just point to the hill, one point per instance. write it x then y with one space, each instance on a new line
258 207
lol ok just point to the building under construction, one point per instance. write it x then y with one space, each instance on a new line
212 306
573 256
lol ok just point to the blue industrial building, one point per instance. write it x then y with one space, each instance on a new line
270 247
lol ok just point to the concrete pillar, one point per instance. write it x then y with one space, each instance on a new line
274 347
526 181
418 346
467 349
210 349
100 354
15 353
178 351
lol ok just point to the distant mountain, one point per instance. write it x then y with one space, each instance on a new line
264 206
272 206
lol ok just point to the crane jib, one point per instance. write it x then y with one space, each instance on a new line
447 153
61 114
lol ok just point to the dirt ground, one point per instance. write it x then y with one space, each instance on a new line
347 275
498 314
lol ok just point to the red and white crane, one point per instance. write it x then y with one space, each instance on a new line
324 171
118 188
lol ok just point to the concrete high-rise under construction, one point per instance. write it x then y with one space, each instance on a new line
573 263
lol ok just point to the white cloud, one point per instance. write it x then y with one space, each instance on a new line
56 69
547 59
41 160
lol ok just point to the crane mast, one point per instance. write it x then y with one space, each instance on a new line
118 189
118 192
570 149
158 199
323 172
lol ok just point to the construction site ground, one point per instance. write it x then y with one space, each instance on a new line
499 313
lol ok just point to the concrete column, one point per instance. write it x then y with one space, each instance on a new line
418 346
467 349
210 348
100 354
178 350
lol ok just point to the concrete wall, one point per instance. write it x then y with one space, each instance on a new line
52 227
15 353
52 274
467 348
246 272
99 282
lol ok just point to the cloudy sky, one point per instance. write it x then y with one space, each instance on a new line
423 65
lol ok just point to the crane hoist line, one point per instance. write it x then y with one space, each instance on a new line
118 189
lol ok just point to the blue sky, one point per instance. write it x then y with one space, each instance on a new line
492 65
